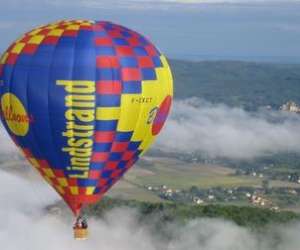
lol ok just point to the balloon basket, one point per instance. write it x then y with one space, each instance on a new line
81 233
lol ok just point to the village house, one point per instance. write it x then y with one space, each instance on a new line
290 107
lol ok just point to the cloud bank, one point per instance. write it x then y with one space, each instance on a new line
6 144
217 130
141 4
222 131
26 225
196 125
167 4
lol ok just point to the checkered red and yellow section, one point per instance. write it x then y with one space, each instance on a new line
48 35
132 96
69 188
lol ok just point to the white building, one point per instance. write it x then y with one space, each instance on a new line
211 197
290 107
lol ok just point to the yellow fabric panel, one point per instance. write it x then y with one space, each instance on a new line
60 189
3 58
143 131
56 32
67 22
34 162
129 113
147 142
36 39
167 76
87 23
156 89
110 113
48 180
52 26
62 182
73 27
35 31
49 172
141 125
90 190
18 48
74 190
150 90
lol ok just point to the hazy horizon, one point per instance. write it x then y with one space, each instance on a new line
262 31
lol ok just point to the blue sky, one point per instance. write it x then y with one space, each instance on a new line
257 30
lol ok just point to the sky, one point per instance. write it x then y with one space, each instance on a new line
256 30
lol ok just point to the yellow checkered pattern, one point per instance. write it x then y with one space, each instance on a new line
60 184
134 115
35 37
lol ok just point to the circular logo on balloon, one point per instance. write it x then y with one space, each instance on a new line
161 115
15 115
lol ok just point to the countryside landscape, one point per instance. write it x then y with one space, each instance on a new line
269 181
85 87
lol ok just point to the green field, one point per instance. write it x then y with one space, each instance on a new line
179 175
187 175
158 171
176 175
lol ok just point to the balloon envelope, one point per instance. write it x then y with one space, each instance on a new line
83 100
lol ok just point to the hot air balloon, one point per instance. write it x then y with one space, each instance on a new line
83 100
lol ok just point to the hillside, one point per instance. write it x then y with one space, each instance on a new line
255 218
192 178
245 84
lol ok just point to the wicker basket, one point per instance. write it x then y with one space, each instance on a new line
80 233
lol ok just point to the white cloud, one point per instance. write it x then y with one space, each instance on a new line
222 131
124 2
167 4
26 225
191 5
218 131
138 4
6 144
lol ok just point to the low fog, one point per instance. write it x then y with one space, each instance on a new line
6 144
217 130
26 225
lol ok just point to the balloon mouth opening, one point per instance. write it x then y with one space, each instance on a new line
76 209
76 203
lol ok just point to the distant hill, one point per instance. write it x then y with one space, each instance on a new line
237 83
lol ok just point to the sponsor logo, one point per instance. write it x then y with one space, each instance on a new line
15 114
79 129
